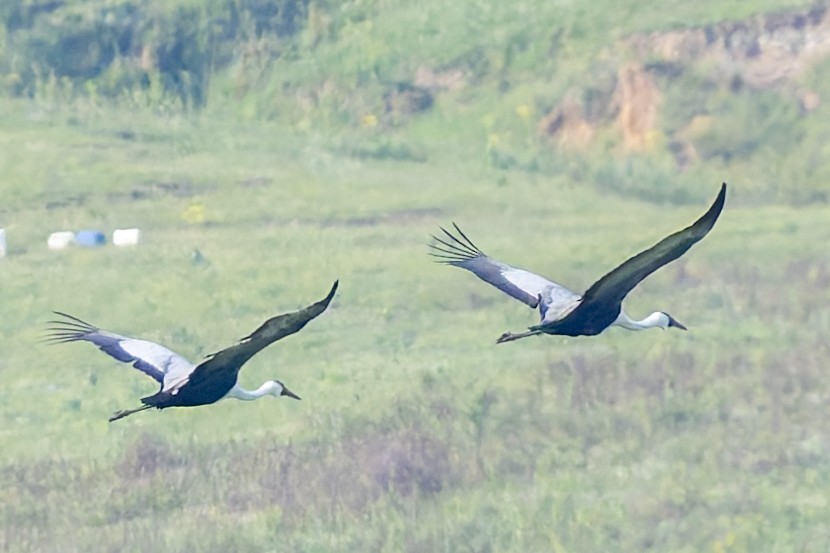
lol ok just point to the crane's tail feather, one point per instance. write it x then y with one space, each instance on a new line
127 412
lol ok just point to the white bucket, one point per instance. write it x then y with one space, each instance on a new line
126 236
2 242
60 240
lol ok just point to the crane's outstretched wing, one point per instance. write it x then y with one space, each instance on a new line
523 285
613 287
232 358
149 357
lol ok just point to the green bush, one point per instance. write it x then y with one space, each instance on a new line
116 47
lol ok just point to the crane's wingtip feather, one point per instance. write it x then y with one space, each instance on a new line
332 291
68 326
714 211
58 339
445 257
72 317
456 249
72 324
722 192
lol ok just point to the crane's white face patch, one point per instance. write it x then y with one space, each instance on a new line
274 388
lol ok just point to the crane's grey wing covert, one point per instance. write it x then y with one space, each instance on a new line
527 287
148 357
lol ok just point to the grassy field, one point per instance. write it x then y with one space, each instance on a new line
416 432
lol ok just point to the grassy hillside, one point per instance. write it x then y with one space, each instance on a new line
415 432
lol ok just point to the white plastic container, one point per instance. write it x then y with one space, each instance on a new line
2 242
60 240
126 236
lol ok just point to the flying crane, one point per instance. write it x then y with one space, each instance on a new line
563 311
185 384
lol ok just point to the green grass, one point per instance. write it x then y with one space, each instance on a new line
416 432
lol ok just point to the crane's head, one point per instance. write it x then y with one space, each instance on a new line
278 389
667 321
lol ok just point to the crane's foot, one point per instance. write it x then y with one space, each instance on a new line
509 336
126 412
119 415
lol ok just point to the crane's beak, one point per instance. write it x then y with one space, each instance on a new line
675 324
289 393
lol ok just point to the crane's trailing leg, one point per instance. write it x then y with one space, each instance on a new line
509 336
127 412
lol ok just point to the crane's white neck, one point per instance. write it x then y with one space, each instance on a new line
658 319
237 392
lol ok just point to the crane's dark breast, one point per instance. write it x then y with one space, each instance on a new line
585 320
195 392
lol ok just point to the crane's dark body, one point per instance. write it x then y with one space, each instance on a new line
183 384
198 391
601 305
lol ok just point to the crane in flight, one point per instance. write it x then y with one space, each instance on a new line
565 312
185 384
